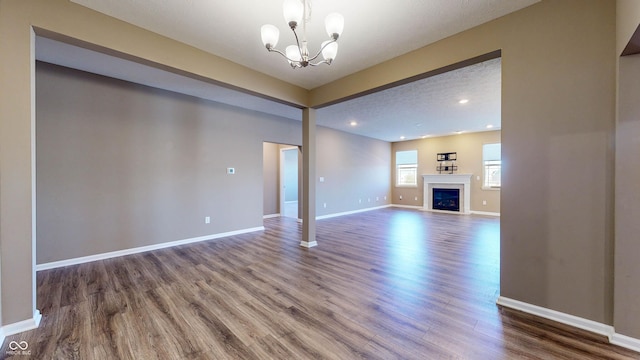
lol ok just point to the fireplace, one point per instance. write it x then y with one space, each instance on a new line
446 199
460 182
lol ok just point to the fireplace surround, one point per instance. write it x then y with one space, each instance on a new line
462 182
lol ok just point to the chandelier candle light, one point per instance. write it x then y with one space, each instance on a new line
298 12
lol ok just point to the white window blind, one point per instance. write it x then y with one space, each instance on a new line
407 168
492 164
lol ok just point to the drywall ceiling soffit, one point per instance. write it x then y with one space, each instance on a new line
75 57
375 30
425 107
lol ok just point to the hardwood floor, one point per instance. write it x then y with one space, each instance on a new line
385 284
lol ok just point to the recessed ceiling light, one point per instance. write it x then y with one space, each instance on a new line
425 136
459 132
353 123
489 126
402 137
463 101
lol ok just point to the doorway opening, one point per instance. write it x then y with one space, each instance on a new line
281 175
289 182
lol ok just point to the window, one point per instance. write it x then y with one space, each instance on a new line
407 168
492 164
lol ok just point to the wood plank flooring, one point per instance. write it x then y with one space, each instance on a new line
385 284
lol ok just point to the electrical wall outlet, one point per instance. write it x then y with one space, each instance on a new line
484 202
207 219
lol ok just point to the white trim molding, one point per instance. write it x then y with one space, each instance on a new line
136 250
20 326
625 342
407 206
269 216
308 244
572 320
351 212
575 321
487 213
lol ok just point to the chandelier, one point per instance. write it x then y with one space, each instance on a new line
298 12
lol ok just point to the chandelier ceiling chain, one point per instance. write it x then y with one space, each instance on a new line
296 12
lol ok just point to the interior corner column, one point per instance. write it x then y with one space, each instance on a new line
308 178
17 169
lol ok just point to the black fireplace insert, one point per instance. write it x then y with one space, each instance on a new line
446 199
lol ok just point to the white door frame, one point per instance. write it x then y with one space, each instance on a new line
282 176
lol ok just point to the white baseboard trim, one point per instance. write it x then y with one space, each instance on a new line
20 326
308 244
575 321
625 342
271 216
416 207
136 250
351 212
485 213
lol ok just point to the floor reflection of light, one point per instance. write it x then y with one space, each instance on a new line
407 256
486 240
482 260
412 280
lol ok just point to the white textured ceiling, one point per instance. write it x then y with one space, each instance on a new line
375 31
428 107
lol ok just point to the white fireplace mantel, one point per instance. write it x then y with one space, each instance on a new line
460 181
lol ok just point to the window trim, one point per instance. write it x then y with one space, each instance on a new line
484 174
485 165
410 166
413 167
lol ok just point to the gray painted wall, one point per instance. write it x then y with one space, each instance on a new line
356 172
557 192
121 165
627 195
627 279
270 173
